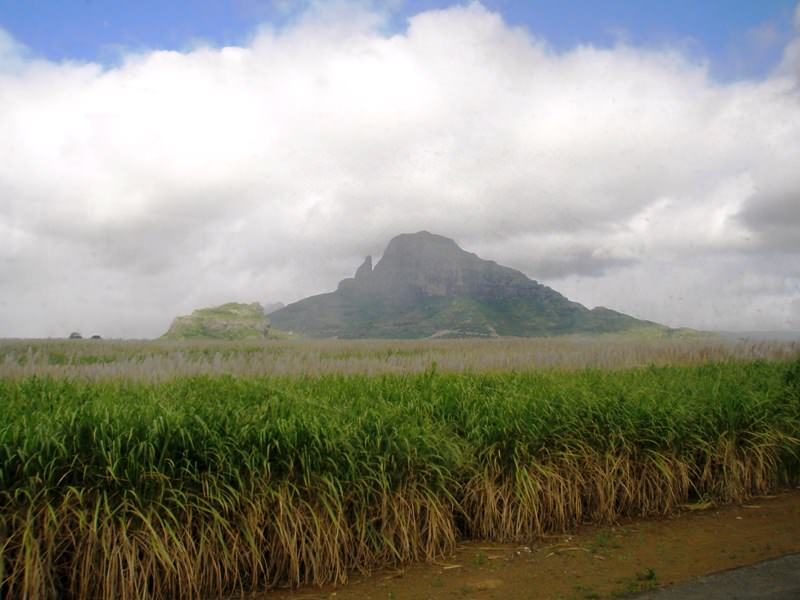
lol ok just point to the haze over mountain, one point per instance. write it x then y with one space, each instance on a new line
425 285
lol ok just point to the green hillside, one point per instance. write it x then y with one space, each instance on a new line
231 321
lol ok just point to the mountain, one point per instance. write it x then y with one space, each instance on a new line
425 285
231 321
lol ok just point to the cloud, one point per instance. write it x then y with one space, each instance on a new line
772 213
622 176
13 55
790 65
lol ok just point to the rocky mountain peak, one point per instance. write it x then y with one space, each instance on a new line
365 269
422 244
425 284
423 264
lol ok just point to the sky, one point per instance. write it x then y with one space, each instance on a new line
157 157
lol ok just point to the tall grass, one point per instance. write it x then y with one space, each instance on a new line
205 486
165 360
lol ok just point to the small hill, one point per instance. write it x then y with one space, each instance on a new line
231 321
425 285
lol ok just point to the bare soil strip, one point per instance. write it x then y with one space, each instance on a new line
593 562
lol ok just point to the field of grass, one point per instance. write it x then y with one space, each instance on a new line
116 482
165 360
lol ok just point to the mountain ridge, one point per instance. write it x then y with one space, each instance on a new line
425 285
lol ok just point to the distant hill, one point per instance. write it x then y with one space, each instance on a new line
425 285
231 321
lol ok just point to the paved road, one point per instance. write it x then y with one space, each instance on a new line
777 579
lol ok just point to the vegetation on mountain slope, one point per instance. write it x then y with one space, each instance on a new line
231 321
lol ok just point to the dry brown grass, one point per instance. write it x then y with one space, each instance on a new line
165 360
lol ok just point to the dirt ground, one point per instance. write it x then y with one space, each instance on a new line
593 562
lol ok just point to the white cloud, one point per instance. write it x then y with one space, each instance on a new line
13 55
623 177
